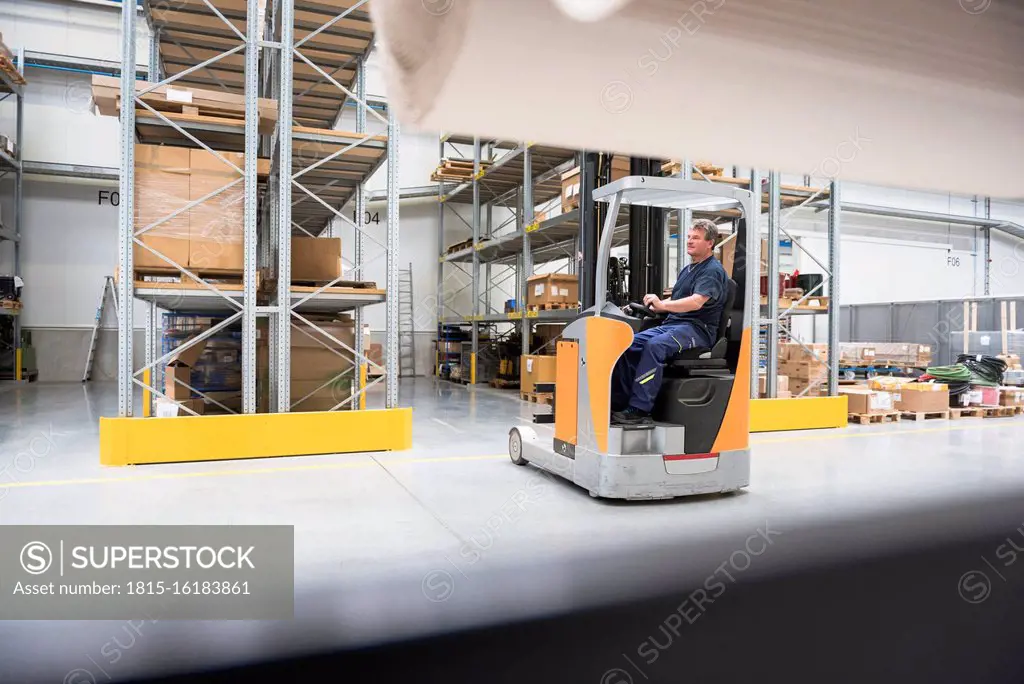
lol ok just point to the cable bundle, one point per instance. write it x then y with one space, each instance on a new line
986 371
958 377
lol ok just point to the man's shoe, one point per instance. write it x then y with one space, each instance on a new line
632 416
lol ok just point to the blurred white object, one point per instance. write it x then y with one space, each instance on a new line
920 93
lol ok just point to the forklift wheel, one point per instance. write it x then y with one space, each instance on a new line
515 447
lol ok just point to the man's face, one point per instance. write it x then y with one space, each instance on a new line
696 246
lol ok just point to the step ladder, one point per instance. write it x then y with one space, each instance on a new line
111 292
406 325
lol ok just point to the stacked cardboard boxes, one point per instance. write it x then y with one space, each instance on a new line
903 354
857 354
1011 396
535 369
807 375
315 365
207 236
781 386
552 288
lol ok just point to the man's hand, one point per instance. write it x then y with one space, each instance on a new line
654 302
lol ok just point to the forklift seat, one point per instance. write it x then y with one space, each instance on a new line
702 358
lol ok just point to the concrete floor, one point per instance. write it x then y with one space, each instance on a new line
363 516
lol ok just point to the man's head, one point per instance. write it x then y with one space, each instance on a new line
700 241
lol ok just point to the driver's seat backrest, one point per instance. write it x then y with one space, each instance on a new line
725 322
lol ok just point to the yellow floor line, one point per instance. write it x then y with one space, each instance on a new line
396 459
247 471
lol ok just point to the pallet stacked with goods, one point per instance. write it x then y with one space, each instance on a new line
238 176
15 362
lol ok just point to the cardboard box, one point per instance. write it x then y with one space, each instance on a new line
534 369
781 384
313 365
316 259
726 253
862 400
915 400
552 288
179 367
794 351
161 188
216 226
818 388
571 182
804 370
1011 396
170 409
982 396
857 353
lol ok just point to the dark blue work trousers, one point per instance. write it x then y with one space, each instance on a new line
638 372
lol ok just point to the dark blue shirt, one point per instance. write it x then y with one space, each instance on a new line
707 278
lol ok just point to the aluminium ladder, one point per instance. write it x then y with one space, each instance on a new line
406 325
108 289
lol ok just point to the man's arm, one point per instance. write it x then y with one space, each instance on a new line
692 303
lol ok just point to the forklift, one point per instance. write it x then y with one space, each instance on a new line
700 440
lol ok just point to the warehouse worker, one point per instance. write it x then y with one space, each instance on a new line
693 315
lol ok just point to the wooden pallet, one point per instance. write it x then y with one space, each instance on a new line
807 305
232 276
7 66
537 397
925 415
316 284
983 412
459 246
868 418
554 306
9 304
502 383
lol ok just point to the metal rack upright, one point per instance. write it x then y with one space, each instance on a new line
11 230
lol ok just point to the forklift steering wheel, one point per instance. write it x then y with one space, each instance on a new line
641 310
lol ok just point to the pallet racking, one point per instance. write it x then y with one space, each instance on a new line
512 175
12 85
309 59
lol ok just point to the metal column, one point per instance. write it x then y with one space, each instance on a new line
252 137
527 259
360 211
754 271
19 175
151 341
772 320
281 351
440 297
589 229
685 219
987 233
474 324
834 208
126 215
391 323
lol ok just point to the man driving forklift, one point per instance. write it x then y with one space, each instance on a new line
692 317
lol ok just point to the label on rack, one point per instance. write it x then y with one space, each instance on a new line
175 95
